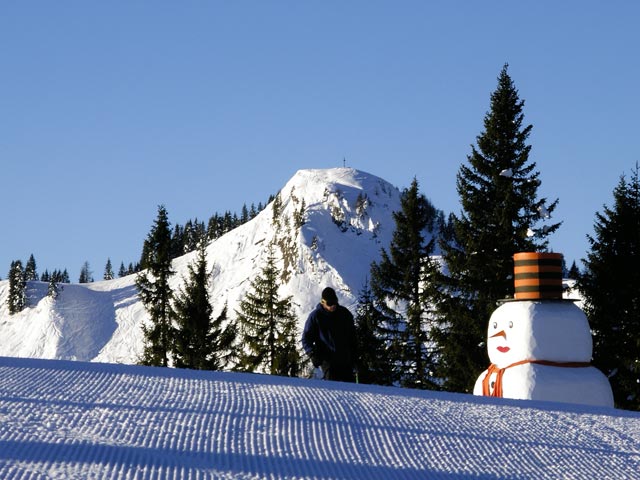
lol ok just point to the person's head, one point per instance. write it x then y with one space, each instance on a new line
329 299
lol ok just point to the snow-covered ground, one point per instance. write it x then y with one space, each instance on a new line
70 420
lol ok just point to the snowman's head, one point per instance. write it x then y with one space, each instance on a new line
507 337
538 330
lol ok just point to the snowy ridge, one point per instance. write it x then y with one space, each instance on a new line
331 225
118 421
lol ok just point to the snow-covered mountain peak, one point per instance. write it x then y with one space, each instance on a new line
355 200
326 228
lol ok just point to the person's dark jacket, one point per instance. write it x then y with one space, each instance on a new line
329 338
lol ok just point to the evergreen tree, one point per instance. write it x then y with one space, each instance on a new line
498 190
85 274
177 241
52 289
299 215
373 364
190 238
244 215
56 275
213 228
267 326
155 292
401 283
230 221
610 286
574 271
276 209
59 277
201 342
108 271
30 272
16 300
288 360
122 272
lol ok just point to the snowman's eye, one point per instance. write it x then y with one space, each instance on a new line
510 324
495 325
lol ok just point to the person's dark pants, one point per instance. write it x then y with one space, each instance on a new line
338 373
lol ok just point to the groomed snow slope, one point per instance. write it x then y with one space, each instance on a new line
68 420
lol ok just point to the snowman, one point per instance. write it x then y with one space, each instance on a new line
539 344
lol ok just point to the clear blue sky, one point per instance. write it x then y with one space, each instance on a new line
108 109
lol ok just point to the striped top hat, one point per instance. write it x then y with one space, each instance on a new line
537 276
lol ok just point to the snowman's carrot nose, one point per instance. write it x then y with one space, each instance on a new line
501 333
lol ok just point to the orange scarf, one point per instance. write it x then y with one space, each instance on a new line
497 388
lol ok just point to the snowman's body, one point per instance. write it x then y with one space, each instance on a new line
531 381
553 332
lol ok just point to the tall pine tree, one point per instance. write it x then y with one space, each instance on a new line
201 342
610 285
373 364
155 292
401 283
500 211
267 326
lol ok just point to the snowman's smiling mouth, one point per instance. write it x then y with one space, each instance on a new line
502 334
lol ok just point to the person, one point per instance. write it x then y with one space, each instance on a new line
329 338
